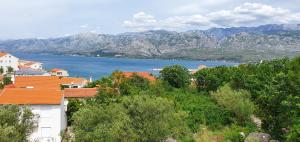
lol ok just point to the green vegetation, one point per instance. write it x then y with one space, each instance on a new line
6 80
1 70
16 123
238 102
176 75
10 70
214 104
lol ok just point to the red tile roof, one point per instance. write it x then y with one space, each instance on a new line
29 63
56 70
24 96
47 82
22 67
70 80
2 54
146 75
80 92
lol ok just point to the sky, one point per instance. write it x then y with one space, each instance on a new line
57 18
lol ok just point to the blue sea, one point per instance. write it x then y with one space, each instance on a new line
97 67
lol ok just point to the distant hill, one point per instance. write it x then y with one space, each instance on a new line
236 44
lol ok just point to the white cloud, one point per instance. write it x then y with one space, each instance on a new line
247 14
141 21
84 26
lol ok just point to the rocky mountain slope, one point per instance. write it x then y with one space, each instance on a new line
238 44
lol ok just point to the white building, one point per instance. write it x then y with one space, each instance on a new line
59 72
31 64
46 104
8 60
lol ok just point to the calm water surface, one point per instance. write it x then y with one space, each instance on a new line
80 66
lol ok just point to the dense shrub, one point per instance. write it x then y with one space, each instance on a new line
16 123
211 78
135 118
201 109
176 75
237 102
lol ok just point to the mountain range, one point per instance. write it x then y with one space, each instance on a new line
239 44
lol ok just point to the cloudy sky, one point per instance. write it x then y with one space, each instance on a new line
54 18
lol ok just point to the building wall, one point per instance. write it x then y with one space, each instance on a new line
51 122
62 73
9 61
37 66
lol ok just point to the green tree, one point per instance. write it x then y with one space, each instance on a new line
155 119
103 124
135 118
237 102
176 75
16 123
7 80
134 85
73 106
1 70
10 69
211 79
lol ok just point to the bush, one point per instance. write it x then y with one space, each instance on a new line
211 79
135 118
103 123
7 80
134 85
238 102
294 133
201 109
176 75
231 133
16 123
73 106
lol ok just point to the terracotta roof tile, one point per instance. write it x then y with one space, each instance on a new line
48 82
29 63
3 54
24 96
56 70
146 75
80 92
69 80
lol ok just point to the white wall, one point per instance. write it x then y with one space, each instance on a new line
60 73
51 122
37 66
9 61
